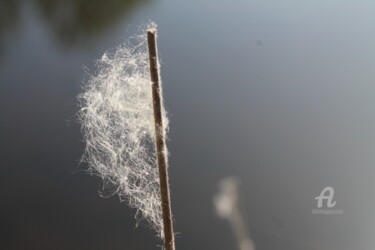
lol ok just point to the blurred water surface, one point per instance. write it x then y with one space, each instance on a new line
280 94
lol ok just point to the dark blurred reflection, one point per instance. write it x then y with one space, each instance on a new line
72 21
76 20
9 16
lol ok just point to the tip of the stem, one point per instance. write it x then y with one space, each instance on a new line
151 31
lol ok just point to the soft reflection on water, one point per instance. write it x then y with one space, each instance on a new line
277 93
72 21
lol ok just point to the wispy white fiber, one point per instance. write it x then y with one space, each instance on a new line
118 128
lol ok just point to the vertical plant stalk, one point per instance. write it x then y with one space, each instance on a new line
160 142
228 206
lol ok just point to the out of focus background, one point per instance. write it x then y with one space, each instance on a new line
277 93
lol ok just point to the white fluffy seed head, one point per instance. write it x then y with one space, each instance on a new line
117 122
226 201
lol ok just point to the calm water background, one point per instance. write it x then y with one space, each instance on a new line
279 93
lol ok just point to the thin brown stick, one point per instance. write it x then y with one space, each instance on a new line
160 142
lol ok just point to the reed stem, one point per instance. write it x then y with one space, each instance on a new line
160 142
